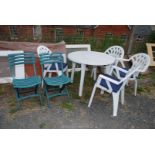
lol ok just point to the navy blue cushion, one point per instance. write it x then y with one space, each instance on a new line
122 74
115 87
53 67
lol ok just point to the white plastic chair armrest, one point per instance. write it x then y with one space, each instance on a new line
120 69
122 59
108 79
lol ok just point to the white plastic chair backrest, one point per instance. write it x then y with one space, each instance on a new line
43 49
142 60
115 51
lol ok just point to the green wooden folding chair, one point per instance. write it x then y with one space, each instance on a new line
54 86
25 87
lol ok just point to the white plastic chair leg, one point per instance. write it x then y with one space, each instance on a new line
42 84
102 92
73 70
92 96
93 73
50 74
44 74
136 84
115 103
107 69
122 95
67 72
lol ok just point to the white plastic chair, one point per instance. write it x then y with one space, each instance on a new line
141 59
114 51
113 85
48 67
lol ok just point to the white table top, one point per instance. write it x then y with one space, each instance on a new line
91 58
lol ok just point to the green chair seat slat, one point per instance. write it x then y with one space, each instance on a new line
27 82
57 81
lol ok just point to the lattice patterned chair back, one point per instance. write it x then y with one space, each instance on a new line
142 60
115 51
43 49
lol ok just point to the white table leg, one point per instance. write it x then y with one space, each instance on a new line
83 68
73 70
95 72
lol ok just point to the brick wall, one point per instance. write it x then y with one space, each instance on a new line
25 32
116 30
4 32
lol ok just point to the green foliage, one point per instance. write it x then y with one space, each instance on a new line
110 41
75 39
140 46
13 110
152 76
97 44
42 125
68 106
151 38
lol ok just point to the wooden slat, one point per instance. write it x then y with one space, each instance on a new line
150 53
29 47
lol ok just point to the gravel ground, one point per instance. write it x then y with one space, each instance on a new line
137 113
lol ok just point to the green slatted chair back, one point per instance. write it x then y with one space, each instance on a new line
19 59
24 87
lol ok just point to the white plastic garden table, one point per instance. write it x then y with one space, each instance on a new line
88 58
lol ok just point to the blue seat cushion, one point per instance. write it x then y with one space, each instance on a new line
122 74
53 67
26 82
115 87
57 81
